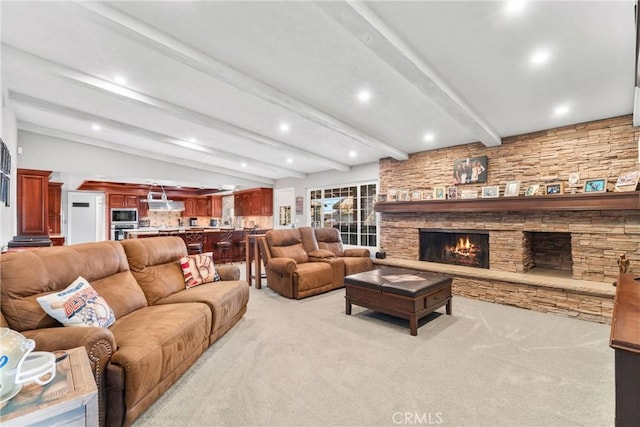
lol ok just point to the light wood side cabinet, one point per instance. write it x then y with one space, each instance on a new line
33 202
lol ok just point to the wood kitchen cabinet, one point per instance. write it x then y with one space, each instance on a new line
254 202
143 207
33 202
123 201
55 207
190 208
216 206
203 207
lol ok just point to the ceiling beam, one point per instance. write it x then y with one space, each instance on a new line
374 34
108 145
135 97
51 107
186 54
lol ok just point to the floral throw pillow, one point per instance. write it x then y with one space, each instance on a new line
78 305
198 269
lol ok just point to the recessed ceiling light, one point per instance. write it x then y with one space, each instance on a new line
540 57
561 110
353 153
120 80
96 127
514 6
284 127
289 160
428 137
192 139
364 96
243 164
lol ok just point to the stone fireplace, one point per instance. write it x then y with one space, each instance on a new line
458 247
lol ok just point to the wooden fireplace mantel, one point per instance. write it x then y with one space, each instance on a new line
564 202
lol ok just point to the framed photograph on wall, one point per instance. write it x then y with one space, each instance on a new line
471 170
452 192
553 188
439 193
532 190
597 185
512 189
491 191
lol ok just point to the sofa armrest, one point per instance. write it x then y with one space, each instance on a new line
357 252
320 255
282 265
228 272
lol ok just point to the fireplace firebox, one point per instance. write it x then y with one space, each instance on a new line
461 247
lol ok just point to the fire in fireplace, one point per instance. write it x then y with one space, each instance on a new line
461 247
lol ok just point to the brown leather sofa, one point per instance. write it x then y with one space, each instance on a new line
160 331
296 261
356 260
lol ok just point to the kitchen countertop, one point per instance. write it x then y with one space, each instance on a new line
161 230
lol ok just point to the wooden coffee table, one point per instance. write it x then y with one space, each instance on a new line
401 292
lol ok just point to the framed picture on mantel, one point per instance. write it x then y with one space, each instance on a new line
471 170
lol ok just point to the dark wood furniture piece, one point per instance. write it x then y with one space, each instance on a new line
400 292
224 246
253 202
55 207
194 239
252 251
625 340
33 202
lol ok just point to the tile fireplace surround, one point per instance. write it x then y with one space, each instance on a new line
591 231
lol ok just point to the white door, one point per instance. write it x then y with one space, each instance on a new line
284 201
86 221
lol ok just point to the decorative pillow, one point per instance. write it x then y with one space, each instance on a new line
78 305
198 269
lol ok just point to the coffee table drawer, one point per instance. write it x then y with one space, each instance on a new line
437 297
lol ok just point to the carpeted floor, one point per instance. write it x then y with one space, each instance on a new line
305 363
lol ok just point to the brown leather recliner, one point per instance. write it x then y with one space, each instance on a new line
296 267
356 260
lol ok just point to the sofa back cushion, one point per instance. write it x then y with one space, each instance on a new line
287 243
329 239
29 274
155 263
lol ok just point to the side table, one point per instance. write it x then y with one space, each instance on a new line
71 399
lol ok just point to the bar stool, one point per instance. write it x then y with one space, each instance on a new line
240 244
224 246
194 238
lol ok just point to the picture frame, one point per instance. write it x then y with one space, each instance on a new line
439 193
627 182
392 195
532 190
512 189
595 185
491 191
427 194
403 195
416 195
468 194
574 179
452 192
470 170
382 197
554 188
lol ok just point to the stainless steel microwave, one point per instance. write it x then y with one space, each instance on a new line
124 215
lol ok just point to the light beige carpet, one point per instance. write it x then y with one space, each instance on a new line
305 363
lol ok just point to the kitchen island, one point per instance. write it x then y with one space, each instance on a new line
212 235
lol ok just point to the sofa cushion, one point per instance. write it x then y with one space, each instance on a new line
26 275
225 300
287 243
198 269
329 239
155 263
78 305
355 265
158 343
313 275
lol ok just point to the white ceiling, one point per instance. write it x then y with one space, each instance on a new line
229 73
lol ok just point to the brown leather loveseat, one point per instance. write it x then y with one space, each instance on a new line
356 260
161 328
297 267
